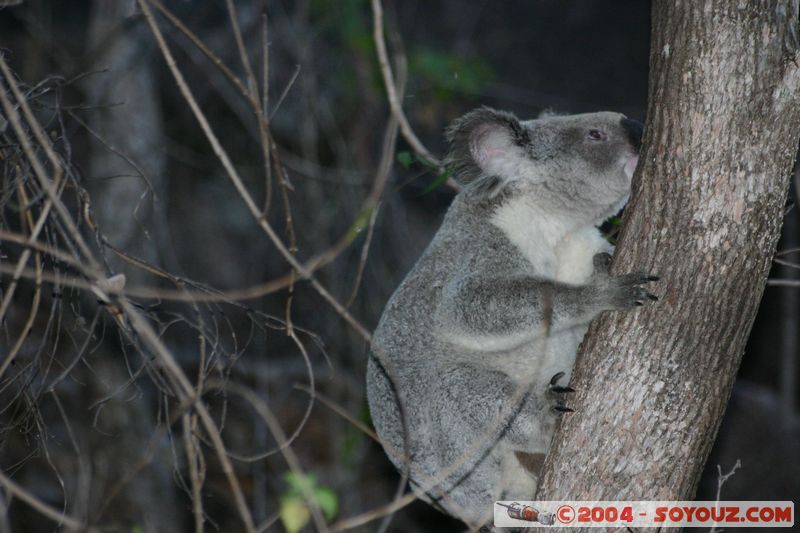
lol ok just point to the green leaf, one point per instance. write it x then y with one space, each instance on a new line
405 159
615 221
441 178
299 482
327 501
294 514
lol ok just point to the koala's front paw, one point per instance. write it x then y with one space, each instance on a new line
621 292
627 291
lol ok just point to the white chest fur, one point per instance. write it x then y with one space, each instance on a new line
576 252
555 247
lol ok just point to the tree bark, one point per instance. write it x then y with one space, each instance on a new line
128 166
705 214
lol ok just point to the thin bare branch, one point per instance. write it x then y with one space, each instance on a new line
374 514
237 35
27 219
391 91
48 511
149 336
193 454
777 282
50 186
291 458
220 152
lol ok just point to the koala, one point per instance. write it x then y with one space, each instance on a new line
463 376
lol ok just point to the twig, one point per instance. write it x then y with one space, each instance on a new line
178 295
362 262
306 414
326 256
786 263
222 155
391 92
379 512
265 107
269 154
175 21
721 480
779 282
285 91
291 458
237 35
193 455
787 251
51 513
341 411
186 391
49 186
35 229
27 219
137 322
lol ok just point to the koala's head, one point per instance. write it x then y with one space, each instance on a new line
571 164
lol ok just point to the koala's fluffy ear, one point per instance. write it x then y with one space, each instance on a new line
479 139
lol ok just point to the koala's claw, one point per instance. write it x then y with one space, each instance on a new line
559 391
554 387
557 376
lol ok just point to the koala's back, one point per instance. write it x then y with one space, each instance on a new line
405 341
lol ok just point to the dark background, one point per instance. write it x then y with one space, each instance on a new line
520 56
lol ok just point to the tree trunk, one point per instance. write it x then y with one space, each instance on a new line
130 123
127 167
705 214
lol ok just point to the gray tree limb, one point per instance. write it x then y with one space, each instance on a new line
705 214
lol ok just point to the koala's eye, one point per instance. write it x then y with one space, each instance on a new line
597 135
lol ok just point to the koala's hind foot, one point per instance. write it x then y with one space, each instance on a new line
625 291
560 393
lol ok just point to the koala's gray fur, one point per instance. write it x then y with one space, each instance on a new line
459 380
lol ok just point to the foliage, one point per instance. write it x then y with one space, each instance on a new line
407 160
448 73
294 509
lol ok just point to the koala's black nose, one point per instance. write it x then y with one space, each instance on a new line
634 130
